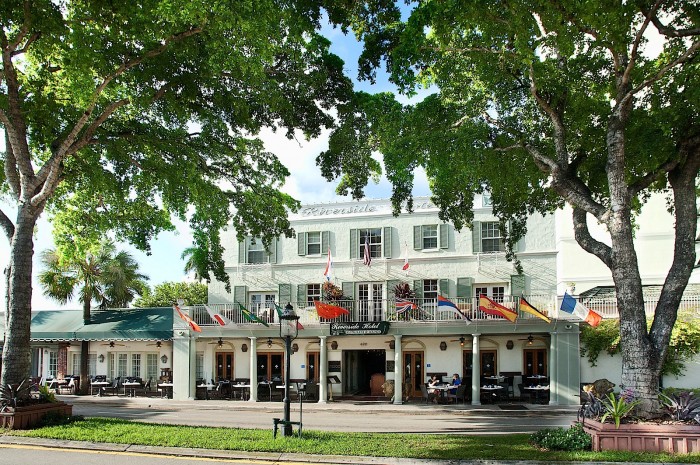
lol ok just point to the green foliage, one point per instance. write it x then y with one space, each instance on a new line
46 394
571 439
14 395
681 406
101 274
683 346
605 337
617 408
166 294
403 291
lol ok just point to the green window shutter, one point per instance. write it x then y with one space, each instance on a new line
272 252
517 285
348 288
418 288
240 295
354 239
444 287
464 287
242 251
325 242
301 243
476 237
417 238
390 286
285 294
444 236
301 295
387 242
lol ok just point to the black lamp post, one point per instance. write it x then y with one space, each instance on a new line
288 331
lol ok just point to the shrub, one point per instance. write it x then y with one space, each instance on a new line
574 438
681 406
617 408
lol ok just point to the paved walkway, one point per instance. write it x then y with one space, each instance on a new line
343 415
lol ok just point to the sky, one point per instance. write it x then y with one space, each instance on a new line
305 183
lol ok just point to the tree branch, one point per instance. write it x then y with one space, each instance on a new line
635 45
50 171
646 180
557 123
669 31
11 173
681 59
586 241
7 226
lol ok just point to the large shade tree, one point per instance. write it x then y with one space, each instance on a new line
118 116
542 103
103 275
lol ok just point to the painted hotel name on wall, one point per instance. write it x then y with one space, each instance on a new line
356 209
359 327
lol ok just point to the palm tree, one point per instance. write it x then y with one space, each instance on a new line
104 276
195 260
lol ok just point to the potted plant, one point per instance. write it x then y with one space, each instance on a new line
678 434
22 406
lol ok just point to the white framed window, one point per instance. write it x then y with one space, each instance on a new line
495 293
263 304
53 364
430 236
92 364
430 290
374 238
256 252
491 240
313 293
152 367
122 361
136 365
75 363
199 365
313 243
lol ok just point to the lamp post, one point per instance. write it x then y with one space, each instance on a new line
288 331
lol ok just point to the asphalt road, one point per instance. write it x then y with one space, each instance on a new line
338 416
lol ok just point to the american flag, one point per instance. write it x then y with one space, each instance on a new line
403 305
367 254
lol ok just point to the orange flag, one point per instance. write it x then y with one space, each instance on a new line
487 305
184 316
329 311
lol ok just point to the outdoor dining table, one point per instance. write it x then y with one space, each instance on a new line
492 388
440 391
207 388
166 390
130 388
495 378
538 392
100 386
244 390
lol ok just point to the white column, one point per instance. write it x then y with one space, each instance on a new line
253 369
476 371
553 381
323 372
398 370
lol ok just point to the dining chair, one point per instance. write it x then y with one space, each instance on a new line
459 394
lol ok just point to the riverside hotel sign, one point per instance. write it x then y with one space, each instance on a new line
376 207
353 328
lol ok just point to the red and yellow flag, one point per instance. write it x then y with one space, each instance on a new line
329 311
527 308
490 307
188 320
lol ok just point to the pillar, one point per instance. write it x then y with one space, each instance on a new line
253 369
476 371
398 370
553 381
323 371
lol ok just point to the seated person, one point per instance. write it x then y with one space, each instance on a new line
434 381
456 381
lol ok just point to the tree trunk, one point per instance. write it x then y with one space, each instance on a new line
16 354
84 380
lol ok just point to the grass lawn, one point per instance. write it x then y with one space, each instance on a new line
501 447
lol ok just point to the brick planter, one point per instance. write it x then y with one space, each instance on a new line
29 416
640 437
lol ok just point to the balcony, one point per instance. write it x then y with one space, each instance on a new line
426 312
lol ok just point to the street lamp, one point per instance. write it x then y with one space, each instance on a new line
288 331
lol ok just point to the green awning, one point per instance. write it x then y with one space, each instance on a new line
142 324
